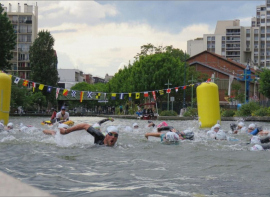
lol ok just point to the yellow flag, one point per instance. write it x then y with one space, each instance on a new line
41 86
161 92
137 95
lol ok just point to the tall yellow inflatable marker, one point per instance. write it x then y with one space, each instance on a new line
5 93
208 104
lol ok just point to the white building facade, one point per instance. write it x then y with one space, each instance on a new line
69 77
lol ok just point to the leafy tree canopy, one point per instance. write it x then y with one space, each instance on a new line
264 87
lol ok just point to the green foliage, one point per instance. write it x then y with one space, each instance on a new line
168 113
43 60
264 81
247 109
263 111
191 112
7 40
228 113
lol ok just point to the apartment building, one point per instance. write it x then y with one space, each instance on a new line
241 44
25 25
69 77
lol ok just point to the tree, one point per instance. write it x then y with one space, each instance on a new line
43 60
7 40
264 81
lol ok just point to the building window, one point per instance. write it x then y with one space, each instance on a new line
223 38
256 31
248 31
213 38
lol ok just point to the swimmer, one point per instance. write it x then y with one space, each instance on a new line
162 124
260 144
240 127
135 126
216 133
182 135
96 126
7 128
256 131
108 139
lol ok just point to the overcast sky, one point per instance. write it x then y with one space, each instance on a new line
98 37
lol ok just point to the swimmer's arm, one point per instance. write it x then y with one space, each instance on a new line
105 120
152 135
254 132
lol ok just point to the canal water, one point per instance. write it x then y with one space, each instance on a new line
71 165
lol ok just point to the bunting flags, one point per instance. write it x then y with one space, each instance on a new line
81 96
65 92
184 87
89 94
25 82
49 89
73 93
161 92
57 92
137 95
176 89
121 96
113 96
168 91
34 86
41 86
208 80
154 95
98 95
129 96
17 80
145 94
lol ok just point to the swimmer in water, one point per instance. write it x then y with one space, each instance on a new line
96 126
216 133
182 135
7 128
108 139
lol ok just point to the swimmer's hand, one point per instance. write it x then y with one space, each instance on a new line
63 131
111 119
146 135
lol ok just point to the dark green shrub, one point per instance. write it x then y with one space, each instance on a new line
247 109
261 112
168 113
191 112
228 113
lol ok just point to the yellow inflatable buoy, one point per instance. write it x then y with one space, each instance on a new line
5 92
48 122
208 104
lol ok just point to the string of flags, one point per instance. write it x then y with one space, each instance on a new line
97 95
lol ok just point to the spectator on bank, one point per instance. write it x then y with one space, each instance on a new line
127 109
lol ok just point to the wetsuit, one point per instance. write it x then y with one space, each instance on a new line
255 132
265 142
98 136
187 136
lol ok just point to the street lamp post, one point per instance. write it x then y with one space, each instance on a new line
192 81
168 94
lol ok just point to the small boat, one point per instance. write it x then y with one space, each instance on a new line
148 114
48 122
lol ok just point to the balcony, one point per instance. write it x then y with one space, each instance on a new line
25 40
24 68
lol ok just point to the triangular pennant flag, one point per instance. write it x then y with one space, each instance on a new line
184 87
57 92
17 80
154 95
25 82
81 96
65 92
33 85
137 95
49 89
113 96
129 96
161 92
145 94
208 80
176 89
168 91
41 86
73 93
121 96
89 94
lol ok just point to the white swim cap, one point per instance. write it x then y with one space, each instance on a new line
112 129
221 135
216 126
256 147
241 124
10 125
255 140
251 126
187 131
172 137
63 126
135 124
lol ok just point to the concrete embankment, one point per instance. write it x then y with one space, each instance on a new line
10 186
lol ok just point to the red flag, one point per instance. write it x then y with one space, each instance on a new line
34 86
154 95
25 82
168 91
145 94
65 92
81 96
176 89
208 80
184 87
